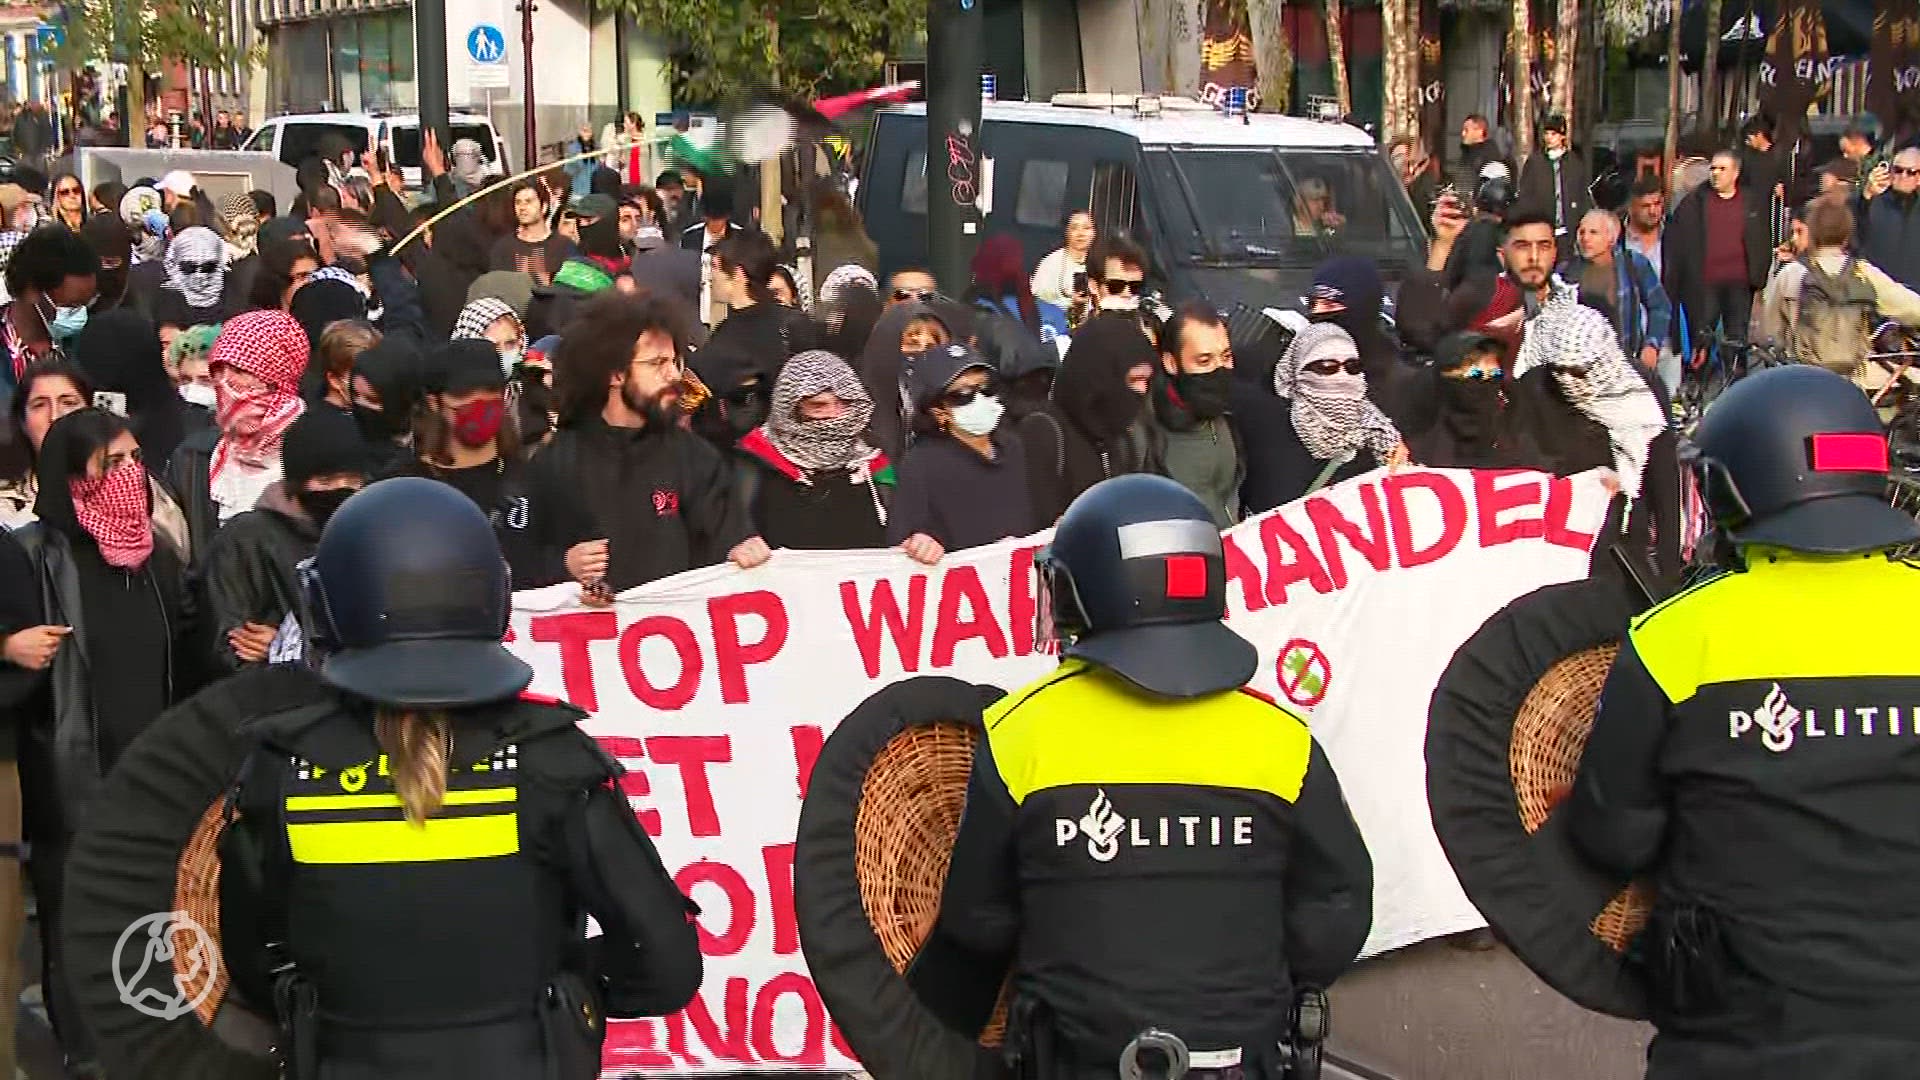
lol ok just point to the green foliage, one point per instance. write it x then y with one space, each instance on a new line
728 48
193 31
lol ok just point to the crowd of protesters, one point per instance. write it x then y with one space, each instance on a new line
626 380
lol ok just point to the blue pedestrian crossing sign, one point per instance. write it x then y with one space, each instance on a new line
486 44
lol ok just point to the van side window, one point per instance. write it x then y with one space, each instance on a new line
913 188
1043 194
1115 201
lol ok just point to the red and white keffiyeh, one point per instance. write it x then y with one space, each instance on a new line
114 510
270 346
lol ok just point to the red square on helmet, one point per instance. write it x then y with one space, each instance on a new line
1849 452
1186 577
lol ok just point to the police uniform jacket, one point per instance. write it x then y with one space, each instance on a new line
430 951
1180 864
1757 756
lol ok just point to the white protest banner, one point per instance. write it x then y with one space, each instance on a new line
717 687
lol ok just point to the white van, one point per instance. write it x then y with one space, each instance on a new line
294 137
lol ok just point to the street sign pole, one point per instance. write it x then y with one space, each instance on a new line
430 68
531 133
954 56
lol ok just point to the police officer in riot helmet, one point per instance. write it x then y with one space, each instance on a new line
424 841
1756 756
1146 844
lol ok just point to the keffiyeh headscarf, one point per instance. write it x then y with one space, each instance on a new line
473 320
243 225
197 247
334 273
1599 382
1332 413
469 162
819 444
270 346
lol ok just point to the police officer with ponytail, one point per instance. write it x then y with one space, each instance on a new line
424 841
1756 756
1147 844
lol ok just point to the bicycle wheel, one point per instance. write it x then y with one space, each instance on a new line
1903 494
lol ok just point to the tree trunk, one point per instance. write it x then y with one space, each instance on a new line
1400 37
1709 115
1272 55
1337 51
1673 88
135 122
1520 47
1566 49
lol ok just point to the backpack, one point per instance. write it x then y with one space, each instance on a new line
1833 324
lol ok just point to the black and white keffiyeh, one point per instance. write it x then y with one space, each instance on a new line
1332 413
819 444
199 248
1596 378
473 320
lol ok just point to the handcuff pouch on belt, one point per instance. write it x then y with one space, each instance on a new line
1686 957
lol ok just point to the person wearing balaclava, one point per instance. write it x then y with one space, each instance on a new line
808 479
1188 433
250 581
904 330
964 481
1590 409
120 351
196 268
463 436
126 658
1347 292
386 385
112 241
1098 397
1477 422
1335 431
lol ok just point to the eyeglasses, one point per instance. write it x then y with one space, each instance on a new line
1115 286
1331 366
1902 170
199 267
657 363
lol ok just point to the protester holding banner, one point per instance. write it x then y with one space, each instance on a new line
1335 431
964 481
1758 779
635 496
806 476
1200 867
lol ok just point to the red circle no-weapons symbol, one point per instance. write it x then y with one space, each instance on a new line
1304 672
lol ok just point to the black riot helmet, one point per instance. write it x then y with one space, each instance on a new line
409 595
1135 581
1795 458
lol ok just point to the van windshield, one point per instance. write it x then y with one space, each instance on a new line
406 142
1252 205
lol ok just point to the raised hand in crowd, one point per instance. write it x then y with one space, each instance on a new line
433 160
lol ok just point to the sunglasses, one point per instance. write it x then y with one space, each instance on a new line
1332 367
1116 286
66 191
1479 374
199 267
1902 170
958 398
904 295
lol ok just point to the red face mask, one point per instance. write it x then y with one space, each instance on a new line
477 423
113 509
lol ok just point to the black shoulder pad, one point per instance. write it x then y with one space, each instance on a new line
569 758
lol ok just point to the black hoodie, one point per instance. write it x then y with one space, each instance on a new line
120 351
882 369
1092 414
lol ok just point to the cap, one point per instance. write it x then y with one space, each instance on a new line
595 206
936 369
649 237
465 364
1454 349
179 181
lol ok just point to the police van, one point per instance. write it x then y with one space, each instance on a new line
1232 209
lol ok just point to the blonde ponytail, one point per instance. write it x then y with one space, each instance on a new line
417 746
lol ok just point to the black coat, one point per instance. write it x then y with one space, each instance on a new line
248 573
187 478
1684 248
1889 228
1535 190
821 510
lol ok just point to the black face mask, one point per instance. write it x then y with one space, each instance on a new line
112 286
375 425
1469 408
322 505
1205 395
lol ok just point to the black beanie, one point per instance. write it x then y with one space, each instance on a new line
323 441
465 364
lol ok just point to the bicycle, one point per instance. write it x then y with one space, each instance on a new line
1725 361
